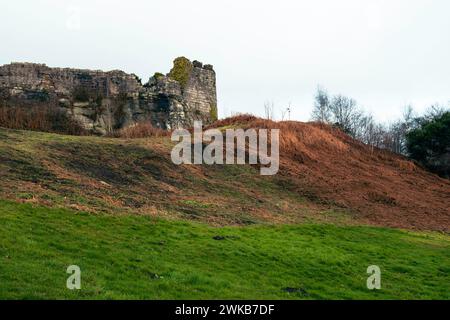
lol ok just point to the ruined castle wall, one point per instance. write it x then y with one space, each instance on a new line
63 81
105 101
201 89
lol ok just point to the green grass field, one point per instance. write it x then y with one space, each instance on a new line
140 257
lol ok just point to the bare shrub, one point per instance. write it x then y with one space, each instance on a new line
140 130
39 118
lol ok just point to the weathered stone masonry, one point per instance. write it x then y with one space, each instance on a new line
104 101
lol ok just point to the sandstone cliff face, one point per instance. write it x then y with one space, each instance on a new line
106 101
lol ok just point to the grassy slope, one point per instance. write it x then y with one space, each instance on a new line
136 257
137 176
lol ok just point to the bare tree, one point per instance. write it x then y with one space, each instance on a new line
321 111
346 114
365 129
269 109
342 112
433 112
395 136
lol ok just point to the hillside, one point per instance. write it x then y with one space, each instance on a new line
325 165
141 227
325 176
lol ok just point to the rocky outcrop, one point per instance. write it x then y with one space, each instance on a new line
105 101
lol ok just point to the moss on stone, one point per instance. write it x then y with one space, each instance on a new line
158 75
213 113
181 71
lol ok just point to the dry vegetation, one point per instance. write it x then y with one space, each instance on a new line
326 165
39 118
54 120
141 130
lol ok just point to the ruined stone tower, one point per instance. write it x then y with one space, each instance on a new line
105 101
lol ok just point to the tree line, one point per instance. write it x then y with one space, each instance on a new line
424 138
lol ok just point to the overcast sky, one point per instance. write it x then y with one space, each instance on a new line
385 54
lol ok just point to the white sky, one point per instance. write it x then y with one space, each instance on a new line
385 54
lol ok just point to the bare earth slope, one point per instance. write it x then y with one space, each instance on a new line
324 176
